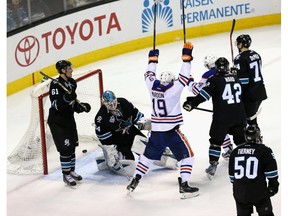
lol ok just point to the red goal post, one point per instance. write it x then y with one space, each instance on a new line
32 153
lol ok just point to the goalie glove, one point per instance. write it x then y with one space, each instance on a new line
187 52
144 124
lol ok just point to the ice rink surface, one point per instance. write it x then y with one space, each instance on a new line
103 193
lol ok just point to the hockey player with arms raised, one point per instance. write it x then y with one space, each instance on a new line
166 119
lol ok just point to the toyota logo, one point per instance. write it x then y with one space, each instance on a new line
27 51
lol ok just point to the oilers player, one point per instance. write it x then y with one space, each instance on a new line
166 118
209 63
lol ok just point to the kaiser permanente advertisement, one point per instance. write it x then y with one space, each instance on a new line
124 26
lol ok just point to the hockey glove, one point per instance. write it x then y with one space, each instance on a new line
68 98
187 52
233 70
273 188
188 104
82 107
86 107
153 56
144 124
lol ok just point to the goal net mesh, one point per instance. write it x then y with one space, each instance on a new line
36 150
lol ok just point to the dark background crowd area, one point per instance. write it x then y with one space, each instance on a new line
24 14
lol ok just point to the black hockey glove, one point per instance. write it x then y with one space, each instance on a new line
69 97
233 70
187 52
273 188
84 107
188 104
153 56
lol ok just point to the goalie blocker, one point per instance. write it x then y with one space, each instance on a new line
113 160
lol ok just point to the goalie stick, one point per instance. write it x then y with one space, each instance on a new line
62 86
231 43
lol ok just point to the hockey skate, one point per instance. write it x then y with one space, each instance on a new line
135 181
226 155
211 169
78 178
186 191
69 181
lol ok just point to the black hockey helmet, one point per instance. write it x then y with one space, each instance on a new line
245 39
252 134
222 65
62 64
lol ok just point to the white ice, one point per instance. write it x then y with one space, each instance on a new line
103 193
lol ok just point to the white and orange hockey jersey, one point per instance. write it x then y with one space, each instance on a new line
166 107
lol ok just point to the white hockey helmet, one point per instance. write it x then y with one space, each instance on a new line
209 61
166 77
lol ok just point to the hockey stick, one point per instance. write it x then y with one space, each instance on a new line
256 114
231 43
206 110
154 28
62 86
183 22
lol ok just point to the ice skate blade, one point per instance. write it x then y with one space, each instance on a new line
209 176
70 186
129 192
189 195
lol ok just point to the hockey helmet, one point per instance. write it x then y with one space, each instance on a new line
63 64
209 61
252 134
245 39
109 100
222 65
166 77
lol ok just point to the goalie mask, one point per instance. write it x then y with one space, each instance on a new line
109 100
166 77
252 134
209 61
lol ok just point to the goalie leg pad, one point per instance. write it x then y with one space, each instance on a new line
124 168
101 163
110 154
167 160
139 144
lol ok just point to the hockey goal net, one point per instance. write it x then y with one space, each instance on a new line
36 149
